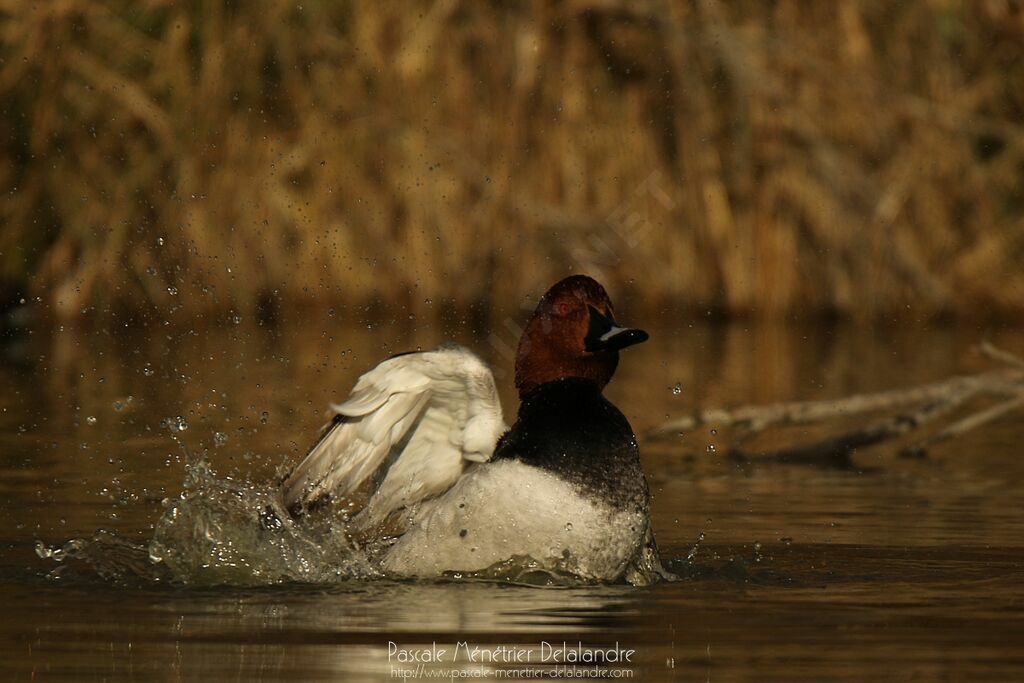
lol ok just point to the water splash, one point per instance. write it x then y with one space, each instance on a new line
696 546
105 555
222 531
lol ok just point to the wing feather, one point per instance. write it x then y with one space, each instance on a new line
421 417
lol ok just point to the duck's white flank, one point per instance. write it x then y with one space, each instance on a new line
507 509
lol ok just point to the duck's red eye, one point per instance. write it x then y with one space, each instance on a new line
562 308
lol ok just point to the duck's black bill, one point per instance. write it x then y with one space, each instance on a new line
605 335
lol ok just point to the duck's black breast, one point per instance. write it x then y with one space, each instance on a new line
568 428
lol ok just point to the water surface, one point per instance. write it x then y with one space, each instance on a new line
894 569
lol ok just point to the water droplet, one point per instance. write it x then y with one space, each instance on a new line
236 319
147 370
568 526
677 389
91 420
175 424
786 540
264 417
711 448
696 546
172 290
156 552
159 241
714 432
220 438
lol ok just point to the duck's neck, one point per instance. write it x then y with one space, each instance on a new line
534 370
569 429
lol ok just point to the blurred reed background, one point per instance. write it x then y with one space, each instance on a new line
752 158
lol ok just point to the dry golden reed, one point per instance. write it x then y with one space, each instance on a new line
762 158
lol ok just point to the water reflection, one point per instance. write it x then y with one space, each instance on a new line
314 632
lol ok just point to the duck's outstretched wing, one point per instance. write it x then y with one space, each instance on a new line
418 416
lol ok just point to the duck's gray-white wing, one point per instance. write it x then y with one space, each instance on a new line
425 414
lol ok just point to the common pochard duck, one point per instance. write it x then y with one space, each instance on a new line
459 491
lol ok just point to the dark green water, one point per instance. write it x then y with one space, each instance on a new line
895 569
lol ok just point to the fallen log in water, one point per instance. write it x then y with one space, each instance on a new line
907 411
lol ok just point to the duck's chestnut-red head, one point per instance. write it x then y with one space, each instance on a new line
572 333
